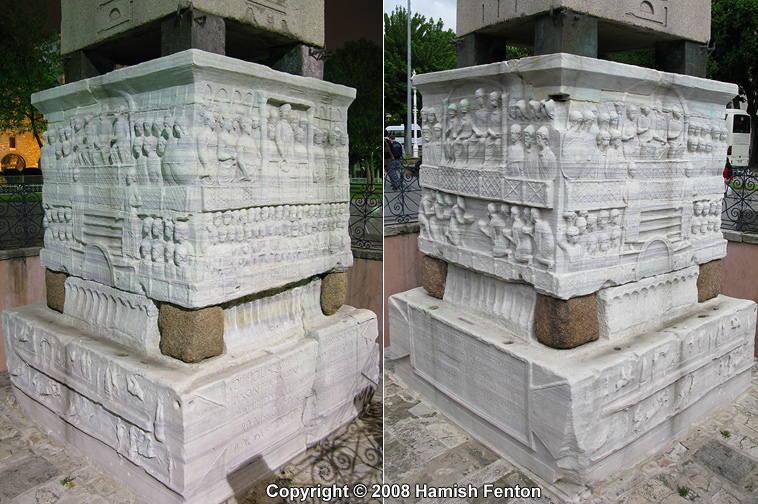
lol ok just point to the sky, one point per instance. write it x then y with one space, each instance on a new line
435 9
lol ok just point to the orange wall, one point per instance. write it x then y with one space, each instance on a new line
401 257
23 281
364 286
740 273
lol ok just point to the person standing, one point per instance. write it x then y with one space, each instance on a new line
396 156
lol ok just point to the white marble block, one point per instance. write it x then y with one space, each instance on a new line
574 416
190 433
196 178
571 173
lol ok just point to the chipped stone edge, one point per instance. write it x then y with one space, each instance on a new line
401 229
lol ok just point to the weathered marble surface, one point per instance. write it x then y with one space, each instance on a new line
196 178
572 173
579 415
197 432
286 20
644 22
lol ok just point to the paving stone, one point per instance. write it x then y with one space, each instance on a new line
104 486
423 444
400 461
447 434
421 409
724 497
31 472
725 461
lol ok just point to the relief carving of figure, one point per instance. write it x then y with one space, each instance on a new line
247 155
226 152
572 249
179 163
575 154
206 149
494 229
521 232
453 125
544 241
547 161
285 136
531 154
120 140
458 219
493 132
515 164
332 156
319 157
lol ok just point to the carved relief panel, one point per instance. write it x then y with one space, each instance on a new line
540 170
195 181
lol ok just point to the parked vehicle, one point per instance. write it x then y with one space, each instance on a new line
399 132
738 137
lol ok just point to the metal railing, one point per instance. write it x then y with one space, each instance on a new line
20 214
365 215
401 201
739 210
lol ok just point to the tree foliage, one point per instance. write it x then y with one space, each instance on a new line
734 31
431 51
359 64
29 62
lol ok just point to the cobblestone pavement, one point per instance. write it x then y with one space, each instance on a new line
37 469
716 462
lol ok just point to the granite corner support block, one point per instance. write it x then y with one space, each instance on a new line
55 286
567 323
709 280
433 276
333 292
191 335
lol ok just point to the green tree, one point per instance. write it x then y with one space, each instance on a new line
359 64
431 51
734 31
29 62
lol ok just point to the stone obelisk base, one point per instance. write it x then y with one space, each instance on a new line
575 417
174 432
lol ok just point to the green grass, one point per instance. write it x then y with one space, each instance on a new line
683 491
739 185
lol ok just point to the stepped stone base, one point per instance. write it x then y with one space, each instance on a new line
190 433
582 415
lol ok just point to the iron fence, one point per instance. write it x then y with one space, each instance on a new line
739 211
20 213
365 214
401 201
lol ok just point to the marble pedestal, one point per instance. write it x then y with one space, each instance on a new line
572 197
193 205
174 432
574 416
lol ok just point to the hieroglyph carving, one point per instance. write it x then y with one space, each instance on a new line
527 183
